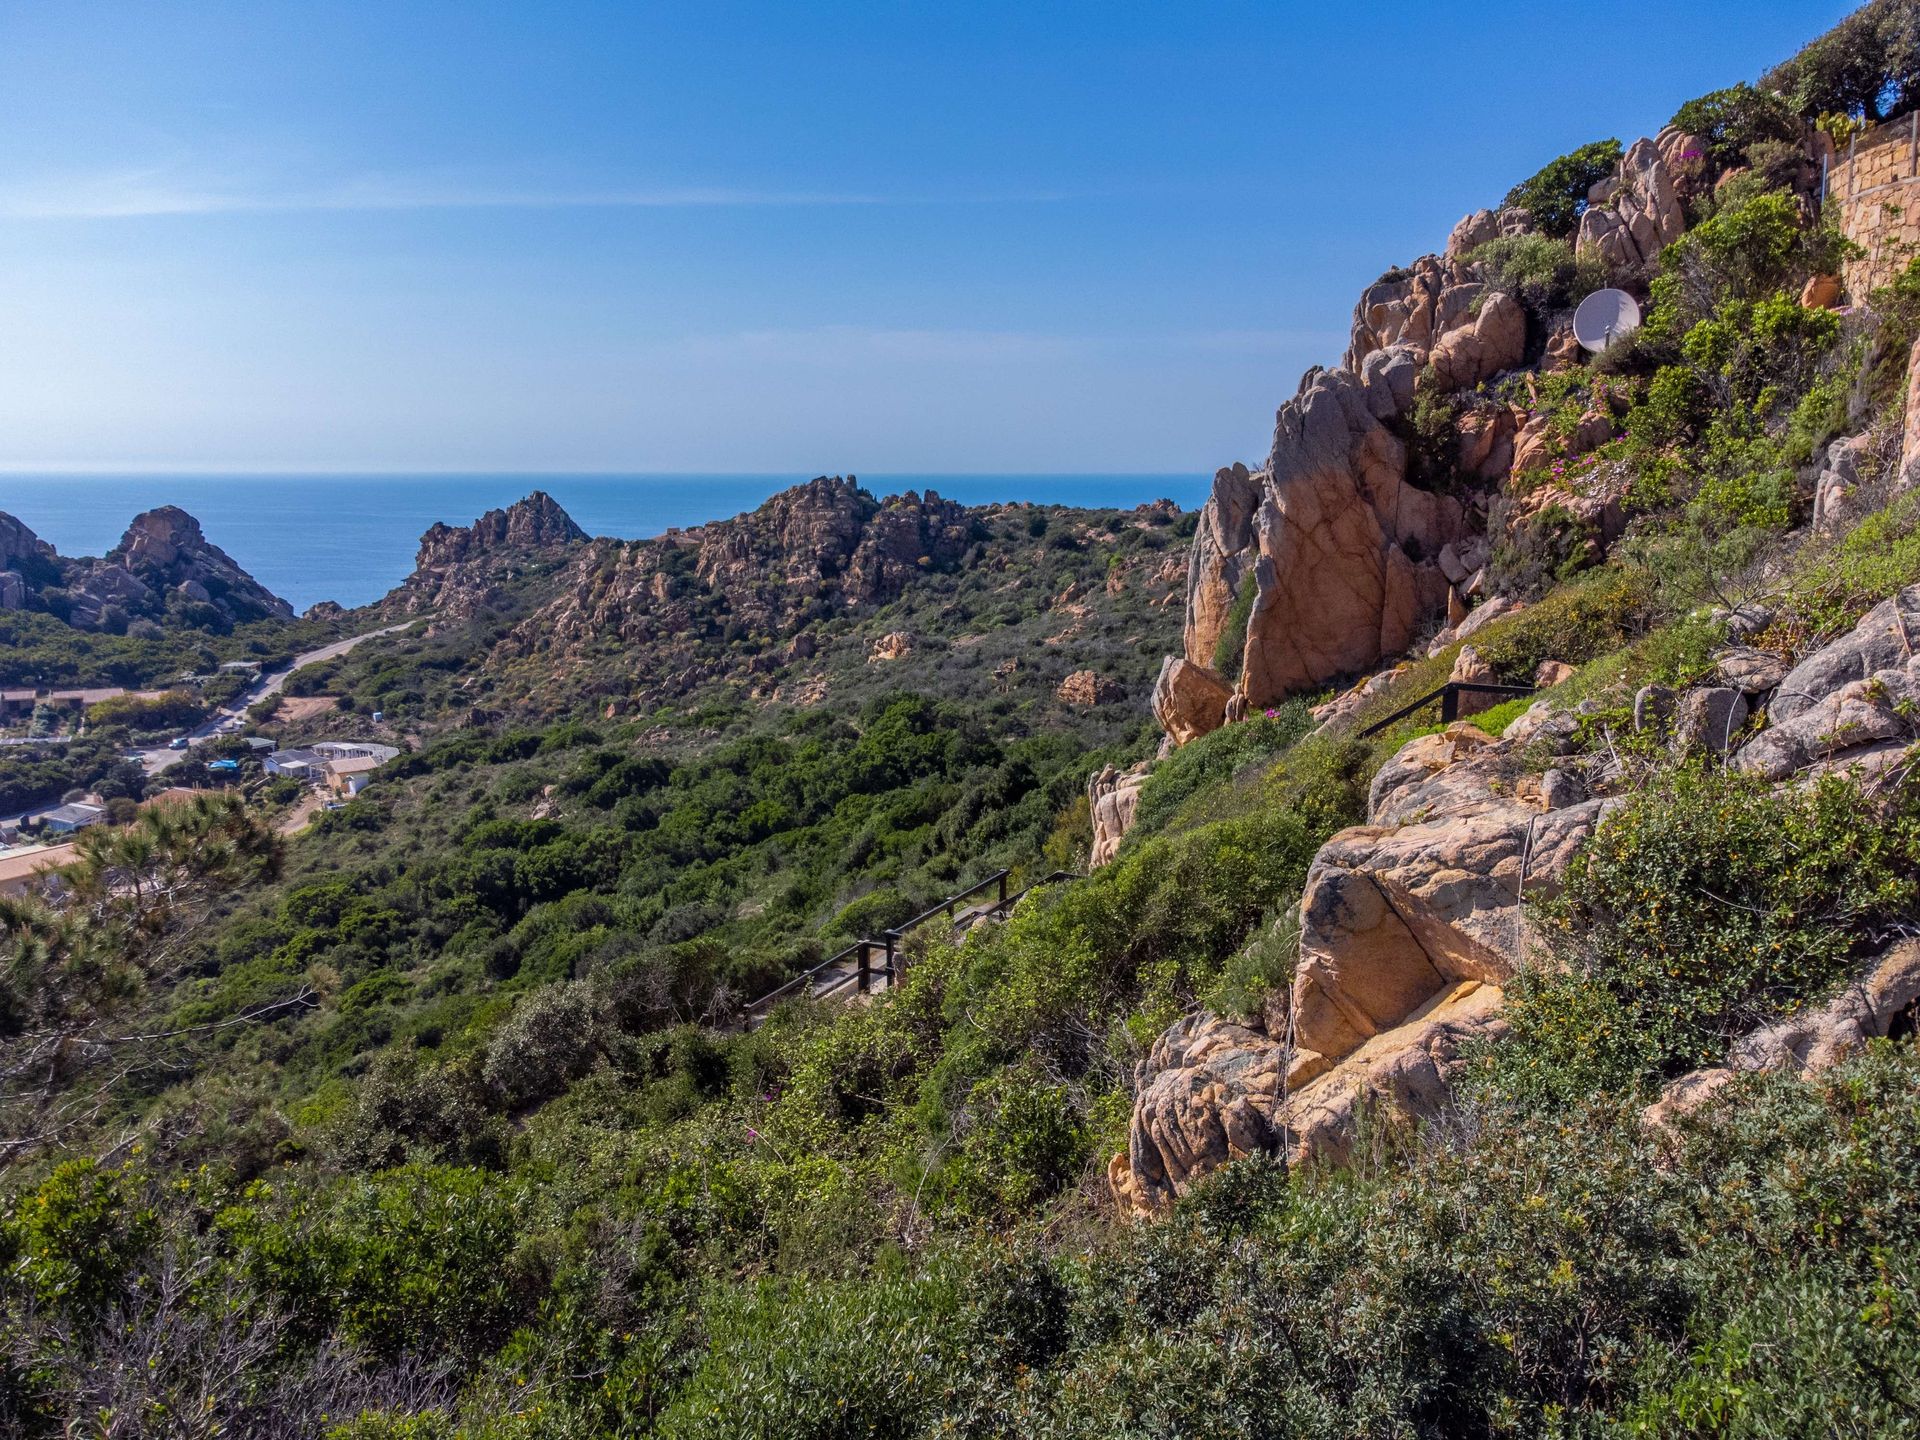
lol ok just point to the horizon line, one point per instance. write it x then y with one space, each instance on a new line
164 472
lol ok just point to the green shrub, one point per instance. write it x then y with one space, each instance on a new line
71 1241
1867 65
1543 274
1229 649
1706 906
821 1360
1258 969
1206 763
1729 122
1556 195
411 1261
548 1041
1574 624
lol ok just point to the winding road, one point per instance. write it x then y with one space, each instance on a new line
234 716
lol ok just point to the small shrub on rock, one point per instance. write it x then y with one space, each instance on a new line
1556 195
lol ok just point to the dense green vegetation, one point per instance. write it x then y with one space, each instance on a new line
39 650
434 1122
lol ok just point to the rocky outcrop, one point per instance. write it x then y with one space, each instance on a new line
1636 214
1221 557
1338 584
1440 308
1087 688
1113 795
1409 926
1838 498
459 569
1882 640
1865 723
1884 1000
1189 700
1484 226
26 563
535 523
894 645
163 567
1336 541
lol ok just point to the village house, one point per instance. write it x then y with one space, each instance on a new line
344 767
69 818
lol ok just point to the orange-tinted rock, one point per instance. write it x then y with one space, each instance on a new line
1189 700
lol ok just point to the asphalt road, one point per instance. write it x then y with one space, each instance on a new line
234 716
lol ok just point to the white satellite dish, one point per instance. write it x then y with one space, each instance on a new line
1604 317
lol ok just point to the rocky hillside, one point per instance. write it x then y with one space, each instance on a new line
163 571
823 590
1344 1072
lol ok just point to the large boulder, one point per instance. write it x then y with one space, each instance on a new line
1869 722
1113 796
1708 718
1882 640
1410 924
1189 700
1437 305
1471 233
1222 553
1495 341
1838 498
1338 586
1212 1091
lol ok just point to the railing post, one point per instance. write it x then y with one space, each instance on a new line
1003 890
892 939
1449 705
865 969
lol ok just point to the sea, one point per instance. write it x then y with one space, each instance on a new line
351 538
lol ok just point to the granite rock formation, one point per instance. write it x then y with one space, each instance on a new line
460 569
163 568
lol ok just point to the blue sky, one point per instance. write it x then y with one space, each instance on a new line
828 236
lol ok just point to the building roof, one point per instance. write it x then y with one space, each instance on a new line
25 864
297 757
353 765
379 752
76 814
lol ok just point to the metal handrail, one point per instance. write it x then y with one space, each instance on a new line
948 905
1449 697
888 941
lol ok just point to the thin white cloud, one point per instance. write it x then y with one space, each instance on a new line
163 190
150 192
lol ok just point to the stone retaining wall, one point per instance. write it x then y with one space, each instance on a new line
1876 185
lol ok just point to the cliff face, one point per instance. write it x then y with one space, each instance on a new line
164 568
1343 550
